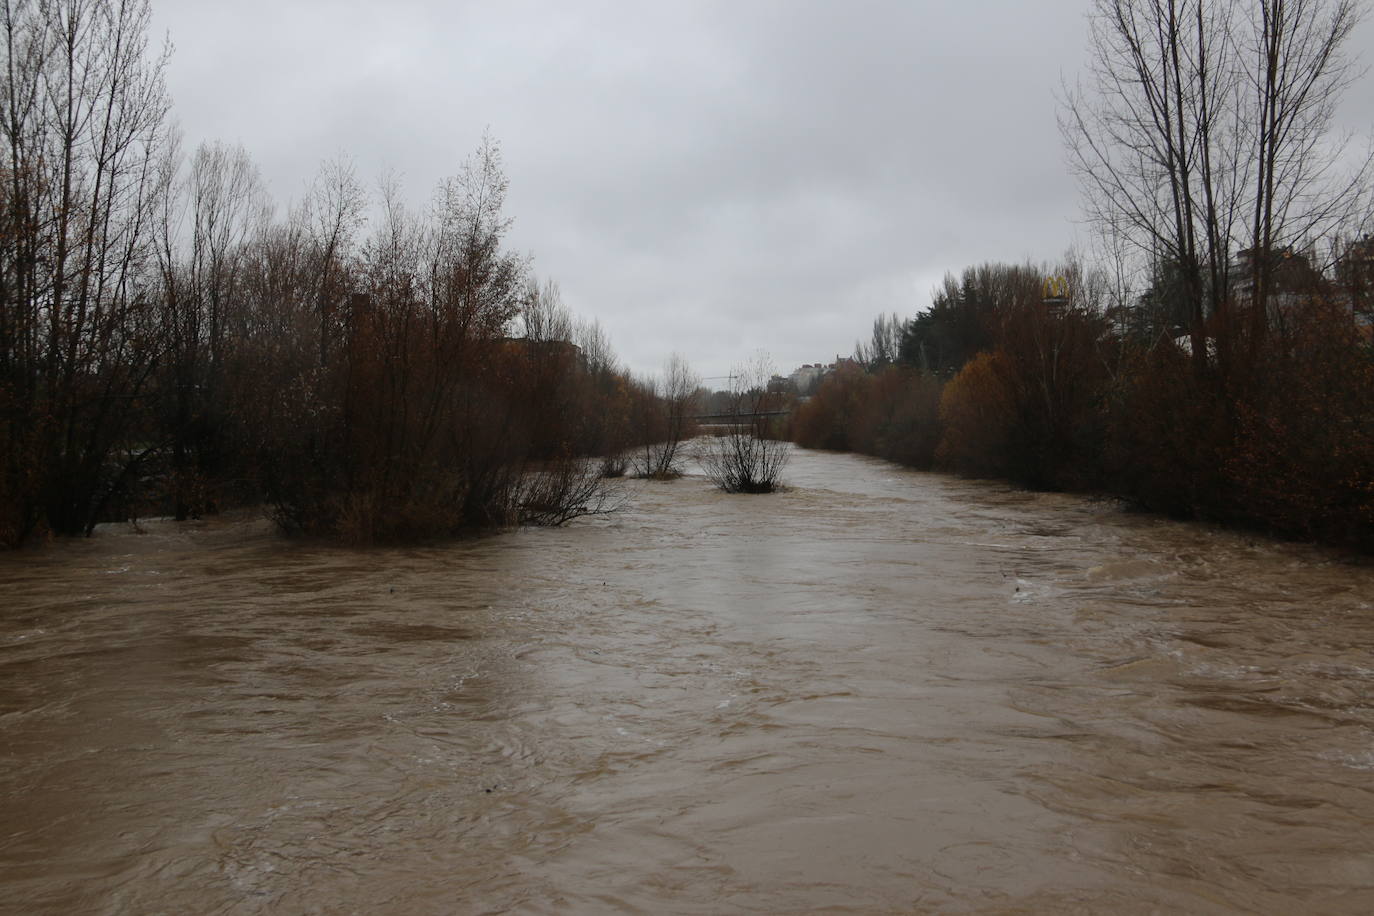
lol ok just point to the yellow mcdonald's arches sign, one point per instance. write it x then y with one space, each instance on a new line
1056 288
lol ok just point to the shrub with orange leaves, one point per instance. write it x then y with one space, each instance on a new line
976 412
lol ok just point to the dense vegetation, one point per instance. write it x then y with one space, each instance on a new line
169 344
1080 397
1216 361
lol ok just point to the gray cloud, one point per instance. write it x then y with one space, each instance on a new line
705 177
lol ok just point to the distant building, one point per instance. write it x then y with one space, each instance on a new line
1292 281
806 378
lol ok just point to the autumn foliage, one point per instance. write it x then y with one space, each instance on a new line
891 414
169 345
1278 436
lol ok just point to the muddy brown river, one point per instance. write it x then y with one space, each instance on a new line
882 691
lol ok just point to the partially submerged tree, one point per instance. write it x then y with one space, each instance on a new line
749 457
83 126
206 220
167 344
670 416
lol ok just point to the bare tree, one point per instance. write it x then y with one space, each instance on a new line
82 124
1154 140
673 401
334 210
562 490
748 457
543 316
596 348
883 346
470 274
1202 130
1299 71
610 428
206 221
551 373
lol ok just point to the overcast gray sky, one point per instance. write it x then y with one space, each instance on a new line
713 178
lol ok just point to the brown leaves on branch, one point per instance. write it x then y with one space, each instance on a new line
168 346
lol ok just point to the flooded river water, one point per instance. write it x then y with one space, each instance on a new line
881 691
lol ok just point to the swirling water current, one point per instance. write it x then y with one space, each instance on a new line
881 691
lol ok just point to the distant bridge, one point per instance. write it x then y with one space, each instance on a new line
735 417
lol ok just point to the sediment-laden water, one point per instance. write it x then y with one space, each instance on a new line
881 691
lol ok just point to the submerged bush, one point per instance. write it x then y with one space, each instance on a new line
748 457
745 460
